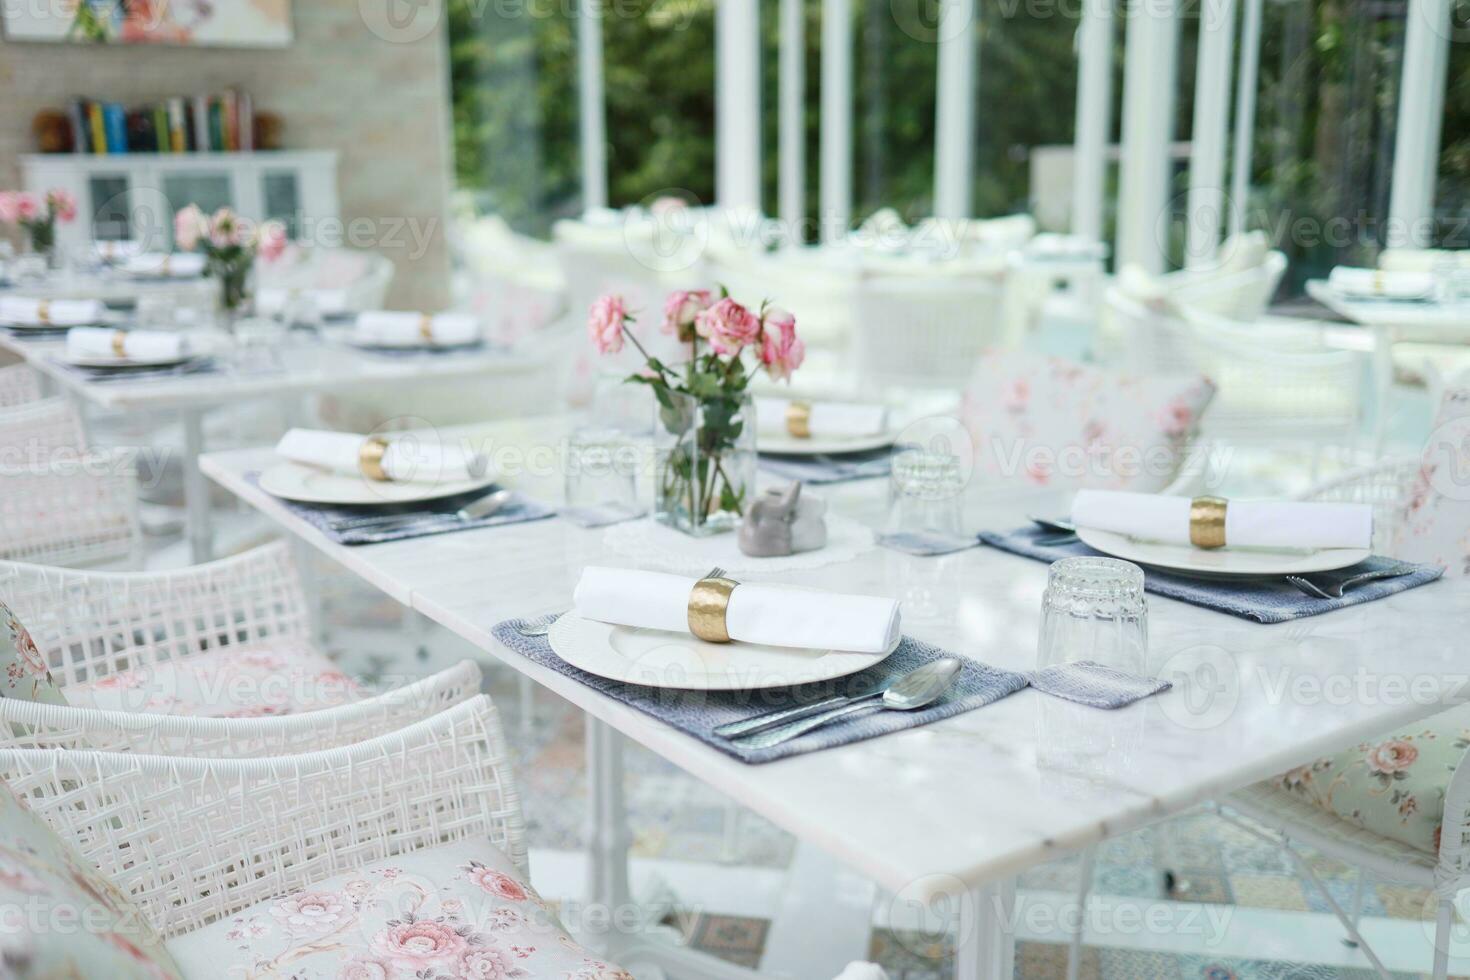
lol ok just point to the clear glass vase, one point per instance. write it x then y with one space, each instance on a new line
706 461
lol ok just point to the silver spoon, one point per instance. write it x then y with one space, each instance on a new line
770 719
916 689
1055 526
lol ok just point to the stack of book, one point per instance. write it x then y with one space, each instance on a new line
203 124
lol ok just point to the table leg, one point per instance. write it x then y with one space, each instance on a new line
1382 385
196 488
985 944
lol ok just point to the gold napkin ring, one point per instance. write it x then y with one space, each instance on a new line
43 312
1207 522
426 328
120 343
370 458
799 419
708 601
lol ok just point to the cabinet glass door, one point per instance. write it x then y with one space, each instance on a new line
282 194
210 191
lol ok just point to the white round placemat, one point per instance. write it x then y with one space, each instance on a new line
650 543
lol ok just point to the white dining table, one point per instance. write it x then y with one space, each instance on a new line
944 815
286 369
1390 322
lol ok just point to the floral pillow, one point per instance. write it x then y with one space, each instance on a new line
454 912
27 675
1436 527
59 917
1055 423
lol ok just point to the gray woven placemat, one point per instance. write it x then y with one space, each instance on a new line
698 713
821 469
1263 600
437 516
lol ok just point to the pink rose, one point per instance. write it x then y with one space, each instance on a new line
1177 418
487 963
224 229
681 308
605 323
496 883
27 208
62 204
311 913
9 207
270 240
1392 756
417 944
363 968
782 351
189 226
728 326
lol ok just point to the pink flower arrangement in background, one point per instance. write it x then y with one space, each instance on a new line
605 323
231 245
38 215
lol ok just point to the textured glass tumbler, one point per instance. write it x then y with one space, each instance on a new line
1094 609
926 493
601 469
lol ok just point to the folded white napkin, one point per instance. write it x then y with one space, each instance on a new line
138 345
774 615
1377 283
389 329
271 300
58 312
1248 523
409 457
159 264
827 419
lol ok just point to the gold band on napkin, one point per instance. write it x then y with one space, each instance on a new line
426 328
120 343
799 420
708 601
1207 522
163 266
370 458
43 312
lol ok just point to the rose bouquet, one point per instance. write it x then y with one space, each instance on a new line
705 413
230 244
38 215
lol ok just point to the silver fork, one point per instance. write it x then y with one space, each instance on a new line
541 629
1335 590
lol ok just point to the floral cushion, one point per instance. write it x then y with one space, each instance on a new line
27 675
453 912
248 681
1393 786
1436 527
1056 423
59 917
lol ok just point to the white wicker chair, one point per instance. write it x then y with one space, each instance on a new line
90 625
34 725
924 331
36 429
194 840
19 385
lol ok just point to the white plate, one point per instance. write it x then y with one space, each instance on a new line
818 445
101 361
1224 562
292 481
654 658
56 327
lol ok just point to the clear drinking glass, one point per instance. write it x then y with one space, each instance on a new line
926 493
1094 609
602 470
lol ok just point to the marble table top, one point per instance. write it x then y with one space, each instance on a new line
989 793
295 365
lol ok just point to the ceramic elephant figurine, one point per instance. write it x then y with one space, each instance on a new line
783 522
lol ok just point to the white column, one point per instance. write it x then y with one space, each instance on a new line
1094 127
836 142
954 110
1245 115
590 106
737 104
1148 110
1421 115
791 183
1211 117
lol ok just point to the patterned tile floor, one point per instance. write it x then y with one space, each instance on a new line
677 818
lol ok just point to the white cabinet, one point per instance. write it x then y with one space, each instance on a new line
134 196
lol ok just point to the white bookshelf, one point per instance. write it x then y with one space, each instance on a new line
134 195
